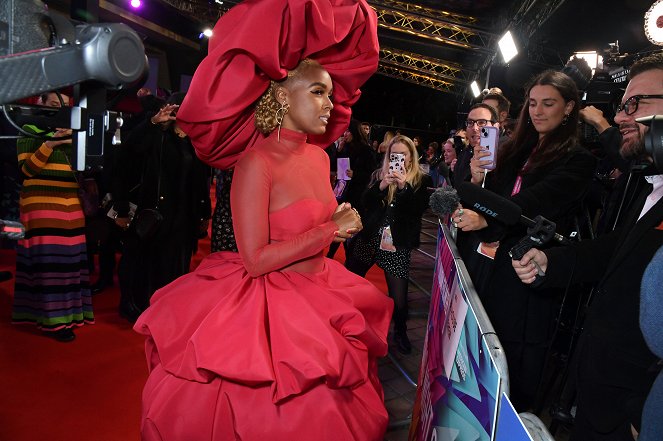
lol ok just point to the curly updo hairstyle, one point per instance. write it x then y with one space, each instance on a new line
265 114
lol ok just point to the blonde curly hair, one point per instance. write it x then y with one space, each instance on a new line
265 113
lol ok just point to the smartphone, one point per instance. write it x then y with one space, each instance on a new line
397 162
489 139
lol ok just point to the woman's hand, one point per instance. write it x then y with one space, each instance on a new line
398 179
386 181
477 165
164 114
533 263
122 222
453 164
59 133
348 221
349 173
468 220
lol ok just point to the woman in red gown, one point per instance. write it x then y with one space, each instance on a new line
274 342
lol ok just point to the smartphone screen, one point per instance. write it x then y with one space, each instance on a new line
489 139
397 162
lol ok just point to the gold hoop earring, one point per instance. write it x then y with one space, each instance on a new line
280 113
565 119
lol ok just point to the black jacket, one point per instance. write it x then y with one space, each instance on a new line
407 208
616 353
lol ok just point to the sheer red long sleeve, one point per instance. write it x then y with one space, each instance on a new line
280 214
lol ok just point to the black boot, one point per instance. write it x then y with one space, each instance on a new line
61 335
128 310
400 332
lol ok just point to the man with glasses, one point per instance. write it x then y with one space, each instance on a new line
480 115
615 368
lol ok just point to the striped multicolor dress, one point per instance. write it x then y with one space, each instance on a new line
52 279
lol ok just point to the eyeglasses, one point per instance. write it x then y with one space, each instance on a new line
484 122
631 105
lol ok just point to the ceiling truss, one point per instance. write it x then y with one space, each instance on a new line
421 79
444 30
443 70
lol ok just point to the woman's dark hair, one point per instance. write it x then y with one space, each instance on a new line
358 136
554 145
176 98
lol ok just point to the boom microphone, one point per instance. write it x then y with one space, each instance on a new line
490 204
503 210
444 201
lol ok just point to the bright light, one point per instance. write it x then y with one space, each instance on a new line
475 89
507 47
135 3
207 32
591 57
219 2
653 23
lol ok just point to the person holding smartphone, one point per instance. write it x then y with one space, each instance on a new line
545 171
391 210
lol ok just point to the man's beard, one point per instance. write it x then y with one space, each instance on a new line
633 148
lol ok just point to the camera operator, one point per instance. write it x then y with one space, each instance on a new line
160 173
614 368
52 281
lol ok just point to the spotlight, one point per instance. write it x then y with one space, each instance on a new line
591 57
136 4
654 23
475 89
507 47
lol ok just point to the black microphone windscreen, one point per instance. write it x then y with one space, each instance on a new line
444 201
489 204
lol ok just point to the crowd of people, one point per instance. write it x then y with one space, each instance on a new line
300 332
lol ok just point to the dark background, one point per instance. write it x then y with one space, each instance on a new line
385 101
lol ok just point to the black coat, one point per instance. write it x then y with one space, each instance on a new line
407 208
182 197
522 316
614 352
362 164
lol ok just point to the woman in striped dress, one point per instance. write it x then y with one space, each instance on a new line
52 279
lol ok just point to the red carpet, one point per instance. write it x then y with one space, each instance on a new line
89 389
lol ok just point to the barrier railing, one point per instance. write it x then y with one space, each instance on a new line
463 381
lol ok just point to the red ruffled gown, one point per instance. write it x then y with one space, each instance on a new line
276 342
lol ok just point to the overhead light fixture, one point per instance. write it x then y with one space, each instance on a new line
207 32
475 89
136 4
591 57
654 23
507 47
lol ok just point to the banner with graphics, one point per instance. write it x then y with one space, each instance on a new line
458 387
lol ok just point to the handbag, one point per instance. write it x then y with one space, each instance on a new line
88 194
147 221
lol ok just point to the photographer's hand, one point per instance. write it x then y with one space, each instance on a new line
59 133
477 165
164 114
594 117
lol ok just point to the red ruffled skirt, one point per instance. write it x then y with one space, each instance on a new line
284 356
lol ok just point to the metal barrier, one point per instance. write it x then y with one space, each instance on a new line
446 307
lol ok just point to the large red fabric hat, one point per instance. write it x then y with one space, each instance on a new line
261 40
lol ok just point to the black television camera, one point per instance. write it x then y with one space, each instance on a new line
42 51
